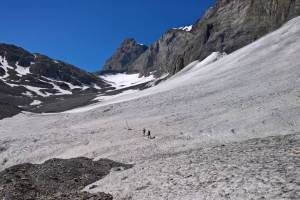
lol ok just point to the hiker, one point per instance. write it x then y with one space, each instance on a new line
149 134
144 131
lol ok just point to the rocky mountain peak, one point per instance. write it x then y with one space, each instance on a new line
130 42
127 53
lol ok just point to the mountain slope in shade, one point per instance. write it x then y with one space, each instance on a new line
26 78
228 126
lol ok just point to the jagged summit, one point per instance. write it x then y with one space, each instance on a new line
124 56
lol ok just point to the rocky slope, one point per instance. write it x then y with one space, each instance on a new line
122 59
226 27
56 179
260 168
27 80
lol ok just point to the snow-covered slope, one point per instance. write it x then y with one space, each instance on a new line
251 93
123 80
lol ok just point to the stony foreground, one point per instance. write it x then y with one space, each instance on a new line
55 179
267 168
264 168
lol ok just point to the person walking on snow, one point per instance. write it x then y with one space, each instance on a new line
149 134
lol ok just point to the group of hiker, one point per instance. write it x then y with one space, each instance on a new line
147 134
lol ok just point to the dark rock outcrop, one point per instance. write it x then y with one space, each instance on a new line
124 56
226 27
55 179
8 110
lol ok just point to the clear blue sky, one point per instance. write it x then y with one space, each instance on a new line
86 32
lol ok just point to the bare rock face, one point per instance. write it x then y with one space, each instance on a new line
226 27
233 24
162 53
124 56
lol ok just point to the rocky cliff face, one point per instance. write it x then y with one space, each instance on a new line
232 24
226 27
124 56
162 53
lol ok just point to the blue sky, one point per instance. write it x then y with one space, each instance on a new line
87 32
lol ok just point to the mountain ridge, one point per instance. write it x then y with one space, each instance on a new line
225 27
31 80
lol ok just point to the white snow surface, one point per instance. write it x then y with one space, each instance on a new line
22 70
71 86
179 79
123 80
4 65
36 90
60 90
27 93
110 97
185 28
104 99
19 69
35 102
255 91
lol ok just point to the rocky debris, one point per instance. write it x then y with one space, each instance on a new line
124 56
260 168
226 27
8 110
78 196
55 179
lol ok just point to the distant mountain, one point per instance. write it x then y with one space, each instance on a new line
226 27
27 80
124 56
